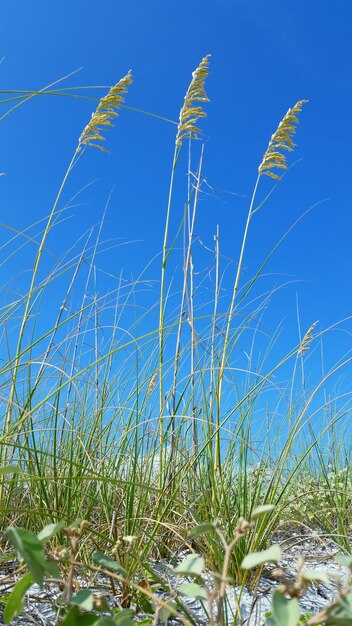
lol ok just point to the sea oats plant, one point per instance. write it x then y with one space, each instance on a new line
190 113
148 423
274 157
105 112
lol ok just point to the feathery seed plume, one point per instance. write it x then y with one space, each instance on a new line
281 140
190 112
104 114
152 382
307 339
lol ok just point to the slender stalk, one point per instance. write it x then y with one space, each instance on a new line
162 305
213 367
26 313
189 263
182 311
228 328
187 273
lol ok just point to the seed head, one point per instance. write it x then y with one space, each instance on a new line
152 383
307 339
191 112
281 142
104 114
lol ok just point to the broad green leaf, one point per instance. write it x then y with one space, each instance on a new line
74 617
271 555
342 614
76 523
145 604
30 550
191 590
259 511
101 604
165 612
346 602
9 469
315 576
15 603
50 531
285 612
344 559
192 565
83 599
122 618
105 561
106 620
52 568
201 529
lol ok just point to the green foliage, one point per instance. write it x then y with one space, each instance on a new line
192 590
192 565
15 603
30 550
84 599
49 531
260 511
345 560
284 611
271 555
108 563
303 618
201 529
341 613
85 607
9 469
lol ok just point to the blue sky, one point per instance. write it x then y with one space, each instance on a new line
266 55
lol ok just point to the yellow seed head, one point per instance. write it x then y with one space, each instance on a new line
104 114
281 142
191 112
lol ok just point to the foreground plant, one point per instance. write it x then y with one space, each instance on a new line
286 610
81 606
76 605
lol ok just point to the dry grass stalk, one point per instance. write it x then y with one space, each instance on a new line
104 114
190 112
281 142
307 339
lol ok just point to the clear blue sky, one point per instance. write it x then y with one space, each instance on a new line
266 55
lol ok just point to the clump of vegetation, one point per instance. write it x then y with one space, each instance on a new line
78 606
145 423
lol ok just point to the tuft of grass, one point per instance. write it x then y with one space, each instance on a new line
148 411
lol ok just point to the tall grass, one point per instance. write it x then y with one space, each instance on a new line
141 418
